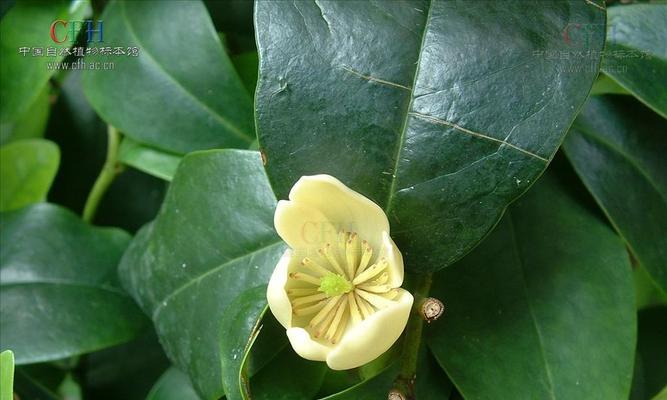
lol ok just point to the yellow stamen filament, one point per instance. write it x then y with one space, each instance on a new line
300 276
307 262
308 299
351 254
370 272
342 288
310 310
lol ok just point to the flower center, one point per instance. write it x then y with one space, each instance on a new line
334 285
340 287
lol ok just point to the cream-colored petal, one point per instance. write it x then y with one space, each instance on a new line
345 208
275 292
301 225
390 252
373 336
305 346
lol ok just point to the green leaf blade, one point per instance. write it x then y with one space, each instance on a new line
28 168
543 308
617 148
49 261
636 52
420 121
204 103
212 242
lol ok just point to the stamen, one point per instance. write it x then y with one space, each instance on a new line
310 310
326 253
299 301
374 299
367 253
374 288
365 308
341 329
351 254
354 308
325 311
301 291
300 276
370 272
342 242
333 328
307 262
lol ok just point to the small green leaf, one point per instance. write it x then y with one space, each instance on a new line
542 309
26 25
173 385
31 125
181 93
212 242
6 375
617 147
64 272
636 52
442 112
152 161
27 171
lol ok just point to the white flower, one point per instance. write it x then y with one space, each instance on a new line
337 289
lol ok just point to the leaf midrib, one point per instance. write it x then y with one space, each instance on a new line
538 331
404 128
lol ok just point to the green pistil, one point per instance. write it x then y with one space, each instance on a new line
335 285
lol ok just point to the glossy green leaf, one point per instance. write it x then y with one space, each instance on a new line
647 292
148 159
126 372
6 375
181 93
26 25
59 294
288 377
605 85
618 148
636 52
376 387
442 112
651 350
542 309
31 124
173 385
212 241
27 169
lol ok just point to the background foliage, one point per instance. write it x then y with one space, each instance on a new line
517 148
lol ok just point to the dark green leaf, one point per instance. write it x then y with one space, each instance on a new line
148 159
618 148
201 101
125 372
431 382
31 124
647 292
173 385
605 85
58 287
441 112
651 350
6 375
27 169
376 387
26 386
542 309
23 77
288 377
636 52
212 241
